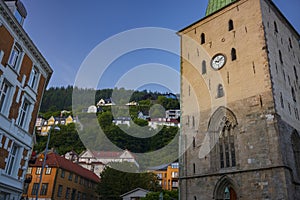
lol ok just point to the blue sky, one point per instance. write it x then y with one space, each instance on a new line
66 31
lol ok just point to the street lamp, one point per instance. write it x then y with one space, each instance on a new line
44 161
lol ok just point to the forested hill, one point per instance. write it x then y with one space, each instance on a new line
60 98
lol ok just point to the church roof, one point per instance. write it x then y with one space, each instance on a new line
215 5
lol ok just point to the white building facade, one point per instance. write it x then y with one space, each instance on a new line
24 74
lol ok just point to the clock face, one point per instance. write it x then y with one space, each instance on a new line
218 61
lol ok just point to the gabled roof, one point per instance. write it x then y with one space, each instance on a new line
55 160
134 190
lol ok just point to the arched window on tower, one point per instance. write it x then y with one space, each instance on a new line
233 54
293 94
290 42
230 25
295 139
220 92
223 135
226 147
202 38
295 72
280 57
275 27
203 67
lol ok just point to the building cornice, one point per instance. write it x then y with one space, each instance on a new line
21 33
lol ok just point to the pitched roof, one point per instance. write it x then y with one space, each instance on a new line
113 154
134 190
55 160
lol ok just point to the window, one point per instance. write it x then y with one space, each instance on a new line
280 57
29 170
62 173
78 195
194 142
290 42
293 94
68 193
295 72
23 113
76 178
230 25
275 27
174 174
296 113
202 38
34 189
25 189
226 147
12 159
83 196
33 79
220 92
38 170
194 168
296 149
233 54
4 92
44 189
59 191
175 165
281 100
48 170
14 57
70 176
203 67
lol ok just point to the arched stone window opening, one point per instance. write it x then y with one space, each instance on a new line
293 94
220 92
230 25
225 189
222 139
280 57
275 27
203 67
233 54
202 38
226 147
295 139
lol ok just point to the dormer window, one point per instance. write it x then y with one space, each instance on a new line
18 10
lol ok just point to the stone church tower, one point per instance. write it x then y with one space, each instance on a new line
240 98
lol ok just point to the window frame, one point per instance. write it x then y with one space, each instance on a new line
34 189
68 192
12 159
204 68
44 189
48 171
14 60
34 78
220 91
230 25
24 113
202 38
59 190
4 96
38 171
233 54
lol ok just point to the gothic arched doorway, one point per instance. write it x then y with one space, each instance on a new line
225 190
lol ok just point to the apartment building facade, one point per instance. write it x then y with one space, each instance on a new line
61 179
24 74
